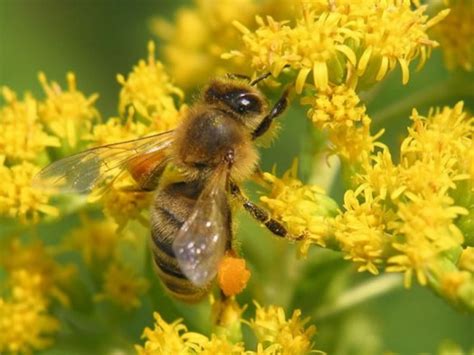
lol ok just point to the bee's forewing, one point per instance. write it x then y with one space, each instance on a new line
201 242
97 167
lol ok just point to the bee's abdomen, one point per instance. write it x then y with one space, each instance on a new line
172 206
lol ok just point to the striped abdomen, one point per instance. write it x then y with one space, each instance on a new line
172 206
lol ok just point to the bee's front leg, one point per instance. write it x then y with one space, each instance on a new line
262 215
276 111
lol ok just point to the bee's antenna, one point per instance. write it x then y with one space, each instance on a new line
260 78
264 76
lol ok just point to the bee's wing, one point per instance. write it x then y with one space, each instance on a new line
201 242
100 166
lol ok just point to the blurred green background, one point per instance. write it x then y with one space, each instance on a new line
97 39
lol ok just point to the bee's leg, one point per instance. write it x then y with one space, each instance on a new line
277 110
261 215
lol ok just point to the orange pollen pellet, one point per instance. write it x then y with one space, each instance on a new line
232 275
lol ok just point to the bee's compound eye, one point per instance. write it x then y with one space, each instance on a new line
247 103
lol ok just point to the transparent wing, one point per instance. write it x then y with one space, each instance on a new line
201 241
98 167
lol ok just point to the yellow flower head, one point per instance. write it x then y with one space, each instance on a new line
194 59
338 111
409 214
221 346
456 35
275 333
457 285
290 335
22 136
115 130
466 260
316 43
96 240
18 199
304 209
122 286
339 41
361 230
25 324
168 338
67 113
424 230
148 89
35 258
123 205
392 32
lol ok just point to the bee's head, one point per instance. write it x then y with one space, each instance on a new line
238 97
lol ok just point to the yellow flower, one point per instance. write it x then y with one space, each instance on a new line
456 35
123 205
149 90
425 228
361 230
392 32
95 239
22 136
315 44
194 59
37 259
303 209
290 335
115 131
122 286
416 206
67 113
275 333
458 284
18 199
338 41
221 346
169 339
25 324
466 260
338 111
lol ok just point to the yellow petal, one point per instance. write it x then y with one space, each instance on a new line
439 17
348 52
241 27
301 79
320 75
364 60
405 71
383 69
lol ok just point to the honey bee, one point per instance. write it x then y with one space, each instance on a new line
213 148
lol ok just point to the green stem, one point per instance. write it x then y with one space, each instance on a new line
433 95
360 294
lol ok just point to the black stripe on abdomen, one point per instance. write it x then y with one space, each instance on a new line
168 267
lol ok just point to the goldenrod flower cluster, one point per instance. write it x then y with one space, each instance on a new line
339 112
412 217
456 34
192 59
37 131
341 42
275 334
35 281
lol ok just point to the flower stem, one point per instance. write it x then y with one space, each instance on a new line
359 294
